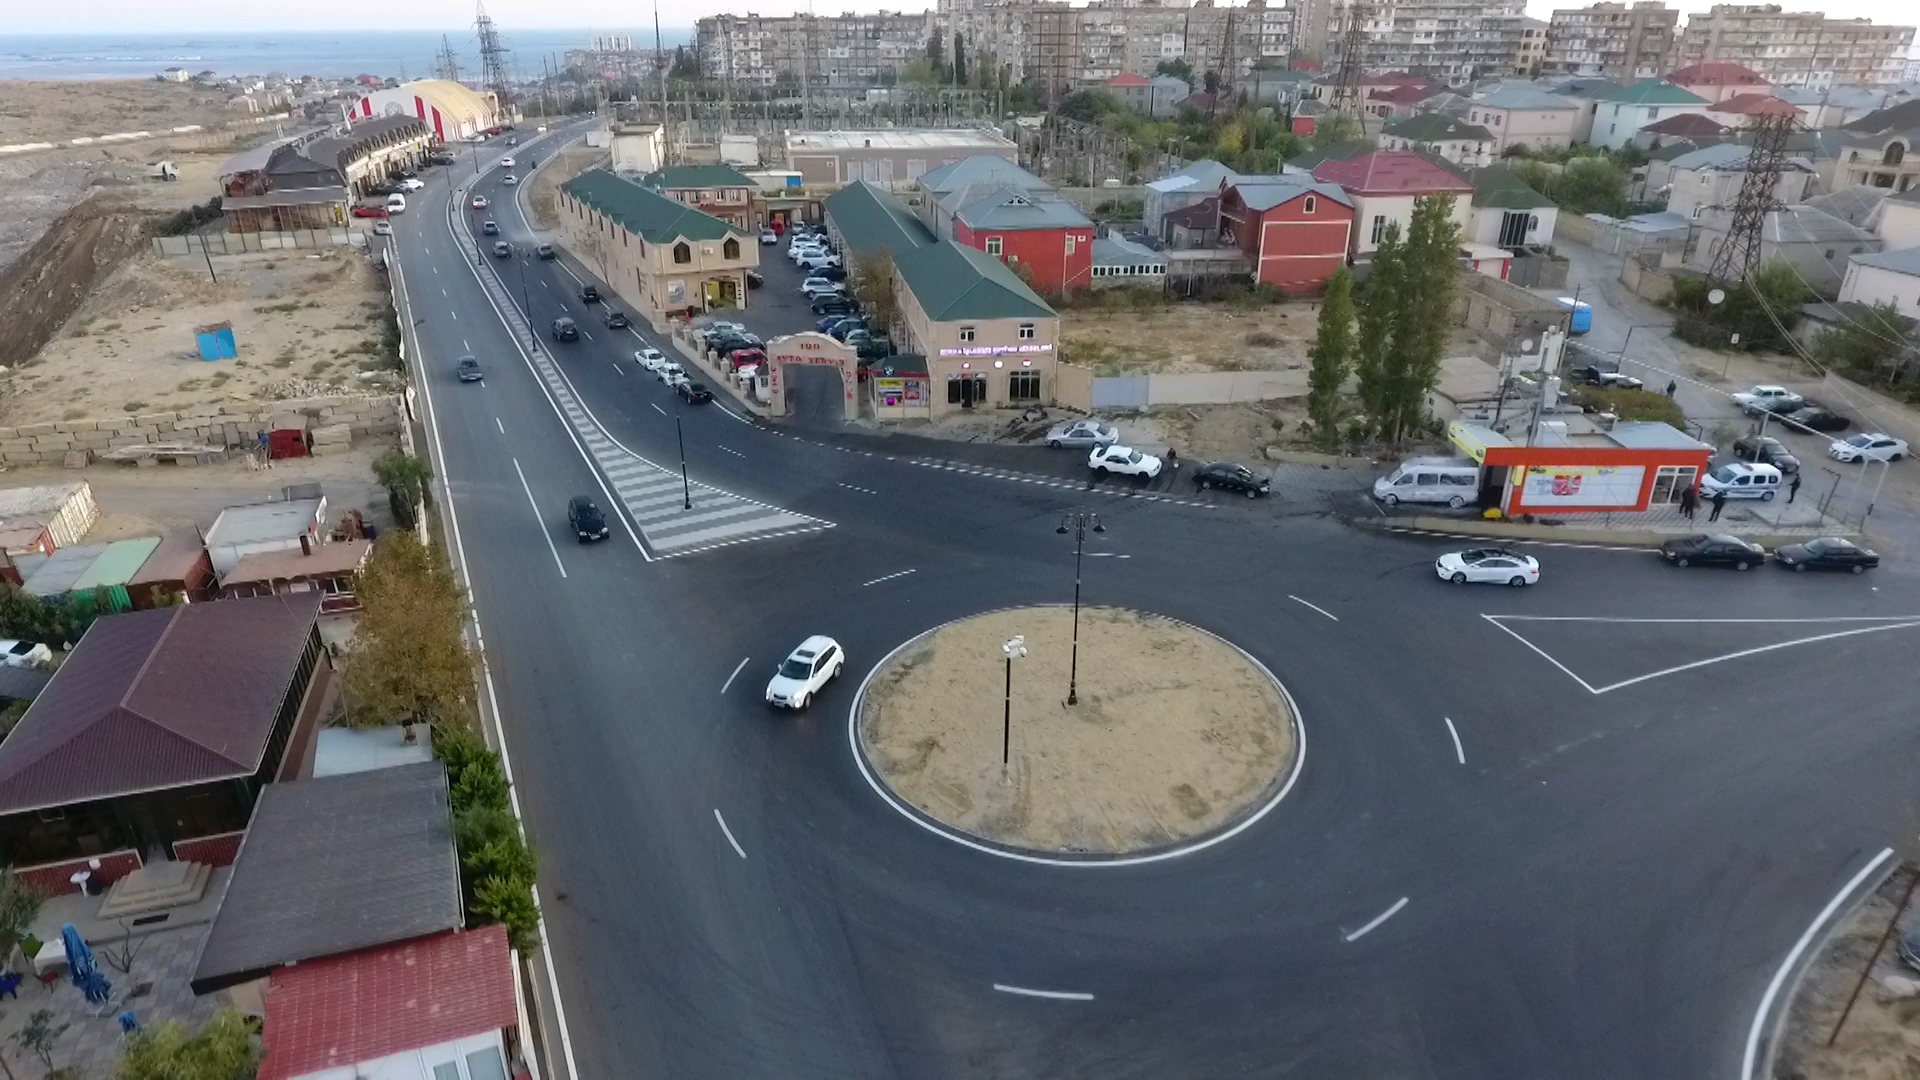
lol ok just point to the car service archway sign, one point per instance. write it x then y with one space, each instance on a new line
813 349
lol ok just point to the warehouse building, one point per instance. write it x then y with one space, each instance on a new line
452 111
891 158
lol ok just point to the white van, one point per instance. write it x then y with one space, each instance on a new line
1742 480
396 203
1454 482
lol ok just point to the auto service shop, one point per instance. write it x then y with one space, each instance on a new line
1630 466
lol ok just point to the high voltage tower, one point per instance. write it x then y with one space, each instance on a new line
1346 91
493 56
1739 253
446 66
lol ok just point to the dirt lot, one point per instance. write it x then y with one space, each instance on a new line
1188 337
310 316
45 110
1882 1038
1152 753
565 166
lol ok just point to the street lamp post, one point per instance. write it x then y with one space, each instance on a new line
686 489
1077 522
526 306
1016 646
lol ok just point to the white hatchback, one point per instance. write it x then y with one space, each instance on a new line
805 672
670 372
650 358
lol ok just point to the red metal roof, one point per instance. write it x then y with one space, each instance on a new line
1686 124
1391 172
1755 105
1128 78
1716 74
344 1010
1403 94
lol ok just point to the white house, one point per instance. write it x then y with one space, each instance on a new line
1885 277
1507 212
1384 185
1897 222
1471 145
1621 111
1521 115
1712 176
1815 243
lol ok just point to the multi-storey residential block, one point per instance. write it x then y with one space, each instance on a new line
1612 41
1453 41
844 50
1534 35
1797 48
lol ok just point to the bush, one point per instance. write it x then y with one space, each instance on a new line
497 865
1629 404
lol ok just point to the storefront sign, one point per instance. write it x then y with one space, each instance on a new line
995 350
1583 485
900 391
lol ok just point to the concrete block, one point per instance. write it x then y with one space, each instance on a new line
77 459
16 446
332 433
127 440
42 443
156 418
9 433
287 421
68 427
31 430
323 449
203 409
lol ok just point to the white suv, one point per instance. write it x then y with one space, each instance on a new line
805 672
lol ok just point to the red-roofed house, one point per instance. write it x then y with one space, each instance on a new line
1294 232
1383 186
1745 110
1719 81
1399 101
426 1009
1682 126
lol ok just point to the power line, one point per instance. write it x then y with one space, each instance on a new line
1739 253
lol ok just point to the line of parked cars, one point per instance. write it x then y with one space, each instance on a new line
1778 402
1721 549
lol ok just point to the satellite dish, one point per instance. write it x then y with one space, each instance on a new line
1526 346
1716 296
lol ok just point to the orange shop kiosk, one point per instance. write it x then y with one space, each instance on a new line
1629 466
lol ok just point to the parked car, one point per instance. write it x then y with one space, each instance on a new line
564 329
585 518
693 393
831 273
479 202
1123 460
1453 481
411 184
544 251
24 654
396 203
1741 480
754 280
383 228
388 187
749 357
768 236
834 305
1765 398
1766 449
488 228
365 211
589 294
617 319
1827 553
1592 375
1718 549
1874 446
1816 418
502 250
650 358
816 261
827 324
821 284
670 372
1230 476
805 671
1495 565
469 370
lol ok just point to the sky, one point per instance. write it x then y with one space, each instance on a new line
145 16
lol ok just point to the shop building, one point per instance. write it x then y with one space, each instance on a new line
720 191
665 259
1571 467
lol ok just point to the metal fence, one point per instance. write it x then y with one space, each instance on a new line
233 243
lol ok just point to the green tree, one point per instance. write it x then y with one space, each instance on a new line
959 59
1376 324
405 478
1331 130
409 663
1177 67
873 284
1872 343
223 1049
510 903
1332 356
19 906
1429 278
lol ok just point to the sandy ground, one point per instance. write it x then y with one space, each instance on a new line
44 110
568 164
311 317
1189 337
1175 734
1882 1038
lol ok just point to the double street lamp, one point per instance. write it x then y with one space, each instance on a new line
1077 522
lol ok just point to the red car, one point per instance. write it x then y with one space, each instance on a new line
740 358
370 211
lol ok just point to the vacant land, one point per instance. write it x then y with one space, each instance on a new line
566 165
1190 336
46 110
1882 1038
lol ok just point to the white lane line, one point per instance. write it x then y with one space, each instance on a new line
728 450
616 369
543 284
1543 653
736 673
658 409
1052 995
586 335
501 426
729 832
1458 751
864 491
1754 652
1378 919
1315 607
464 346
536 517
733 414
889 577
454 315
443 292
1749 1059
435 269
1106 555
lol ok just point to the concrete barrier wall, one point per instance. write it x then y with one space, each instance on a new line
238 243
1225 387
334 421
1580 229
1073 387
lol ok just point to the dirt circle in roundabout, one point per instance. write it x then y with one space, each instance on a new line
1176 735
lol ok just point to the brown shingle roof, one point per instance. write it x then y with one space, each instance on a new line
158 699
331 558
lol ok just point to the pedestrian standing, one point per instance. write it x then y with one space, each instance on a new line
1793 488
1671 387
1719 501
1687 503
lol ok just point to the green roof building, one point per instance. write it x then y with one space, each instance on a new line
664 258
1619 112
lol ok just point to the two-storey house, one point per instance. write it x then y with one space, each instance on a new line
664 258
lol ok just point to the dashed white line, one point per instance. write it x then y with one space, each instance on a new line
889 577
443 292
548 536
616 369
464 346
501 426
1052 995
1458 751
454 315
586 335
728 450
728 832
543 284
1378 919
1315 607
658 409
736 673
1106 555
864 491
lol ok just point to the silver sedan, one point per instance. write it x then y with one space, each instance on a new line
1082 433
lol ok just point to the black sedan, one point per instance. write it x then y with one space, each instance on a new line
1766 450
589 294
693 393
469 370
585 518
617 320
1817 418
1716 550
1827 553
1228 476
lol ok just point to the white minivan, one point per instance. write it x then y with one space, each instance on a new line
396 203
1742 480
1454 482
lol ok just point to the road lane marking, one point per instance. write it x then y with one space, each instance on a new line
889 577
658 409
536 517
501 426
443 292
1051 995
616 368
1106 555
735 415
727 450
864 491
729 832
1377 920
586 335
736 673
1458 751
543 284
454 315
464 346
1315 607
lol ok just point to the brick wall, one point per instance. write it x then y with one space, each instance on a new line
55 879
218 850
352 417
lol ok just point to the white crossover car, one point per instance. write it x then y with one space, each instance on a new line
805 672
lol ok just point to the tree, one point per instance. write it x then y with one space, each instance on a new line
1334 130
40 1037
1375 324
936 52
959 59
873 284
1429 278
405 478
222 1049
1872 342
685 66
1332 355
497 867
19 906
1177 67
409 663
1211 80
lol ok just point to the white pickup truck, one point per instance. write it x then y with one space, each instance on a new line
1761 399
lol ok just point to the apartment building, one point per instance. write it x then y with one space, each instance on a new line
1533 48
842 50
1064 47
1612 41
1797 48
1450 41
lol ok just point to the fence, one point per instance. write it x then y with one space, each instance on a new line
230 243
1197 388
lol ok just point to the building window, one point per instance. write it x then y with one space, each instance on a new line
1653 114
682 253
1379 227
993 246
966 333
1896 152
1026 331
1023 386
1309 206
1696 212
731 249
1069 243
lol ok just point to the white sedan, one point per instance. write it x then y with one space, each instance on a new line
1867 445
650 358
1123 460
1496 565
805 672
506 163
768 236
509 179
479 202
411 184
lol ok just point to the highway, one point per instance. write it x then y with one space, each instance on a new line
1595 884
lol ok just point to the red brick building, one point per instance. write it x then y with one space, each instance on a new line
1293 230
994 206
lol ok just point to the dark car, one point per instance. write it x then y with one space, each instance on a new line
754 280
834 305
1817 418
1593 375
589 294
565 330
831 273
1827 553
443 159
488 228
469 370
587 521
617 320
694 393
502 250
1716 550
873 349
387 188
1230 476
1766 450
545 251
827 324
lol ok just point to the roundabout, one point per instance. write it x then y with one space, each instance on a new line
1175 738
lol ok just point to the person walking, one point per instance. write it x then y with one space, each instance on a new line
1688 500
1719 501
1671 387
1793 488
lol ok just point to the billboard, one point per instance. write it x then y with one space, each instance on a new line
1568 486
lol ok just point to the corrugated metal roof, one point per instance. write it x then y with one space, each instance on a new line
255 522
118 564
900 139
1013 209
329 558
1267 192
1650 92
871 220
684 177
28 501
56 576
173 560
1902 261
981 170
334 865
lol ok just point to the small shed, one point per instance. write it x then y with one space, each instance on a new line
55 576
67 510
250 529
327 569
114 568
179 565
216 341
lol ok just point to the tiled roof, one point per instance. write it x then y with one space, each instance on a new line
1754 105
644 211
1716 74
1687 125
158 699
871 220
1499 187
952 281
1651 92
1893 117
1202 175
1128 78
1403 94
1267 192
1007 208
345 1010
1392 172
981 169
1432 127
684 177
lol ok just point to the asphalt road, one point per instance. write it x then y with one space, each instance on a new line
1595 884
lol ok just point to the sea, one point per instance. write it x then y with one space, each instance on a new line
400 54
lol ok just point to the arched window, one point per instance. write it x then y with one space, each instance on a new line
1896 153
1310 205
731 249
682 253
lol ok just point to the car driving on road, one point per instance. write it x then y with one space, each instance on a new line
670 372
1231 476
1495 565
479 202
768 236
1875 446
564 329
585 518
650 358
1827 553
506 163
693 393
545 251
617 319
1124 461
383 228
589 294
509 179
1718 549
469 369
488 228
501 250
1766 398
805 672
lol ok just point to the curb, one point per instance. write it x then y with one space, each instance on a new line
1474 529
